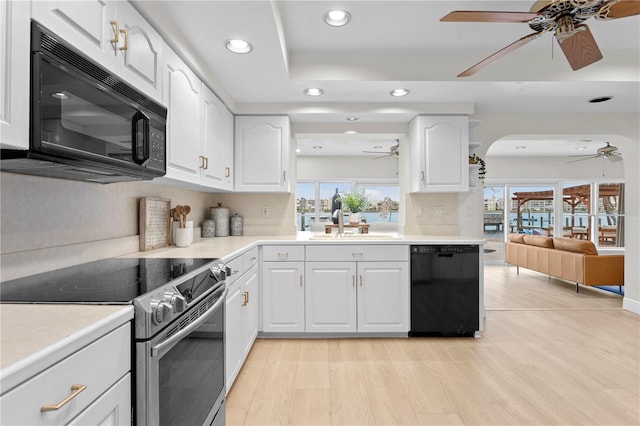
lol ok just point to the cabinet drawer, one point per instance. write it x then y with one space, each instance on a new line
282 253
237 268
97 366
348 253
251 257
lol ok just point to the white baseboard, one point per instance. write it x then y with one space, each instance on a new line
631 305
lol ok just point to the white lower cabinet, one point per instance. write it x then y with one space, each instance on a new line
357 297
283 297
369 294
94 380
241 313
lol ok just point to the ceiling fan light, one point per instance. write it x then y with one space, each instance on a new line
337 17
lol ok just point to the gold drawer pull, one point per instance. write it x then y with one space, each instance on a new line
116 32
76 391
356 254
283 254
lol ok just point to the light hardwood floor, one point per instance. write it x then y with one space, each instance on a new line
547 356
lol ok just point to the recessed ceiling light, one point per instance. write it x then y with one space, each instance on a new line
600 99
298 150
60 95
350 132
352 118
317 147
237 45
399 92
521 147
337 17
313 91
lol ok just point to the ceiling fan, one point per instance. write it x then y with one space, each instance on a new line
608 151
394 151
564 18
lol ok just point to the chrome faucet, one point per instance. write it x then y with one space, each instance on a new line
340 217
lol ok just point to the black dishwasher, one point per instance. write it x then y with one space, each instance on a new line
445 290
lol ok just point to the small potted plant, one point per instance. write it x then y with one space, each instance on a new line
474 159
356 201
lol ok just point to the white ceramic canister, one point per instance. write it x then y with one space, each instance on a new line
236 225
221 216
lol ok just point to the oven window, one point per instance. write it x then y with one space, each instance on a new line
192 374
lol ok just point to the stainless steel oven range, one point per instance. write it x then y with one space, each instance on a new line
178 328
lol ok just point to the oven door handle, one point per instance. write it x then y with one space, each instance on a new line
162 348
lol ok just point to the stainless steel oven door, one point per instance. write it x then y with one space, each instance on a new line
180 372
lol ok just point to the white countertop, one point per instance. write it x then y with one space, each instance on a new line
34 337
228 247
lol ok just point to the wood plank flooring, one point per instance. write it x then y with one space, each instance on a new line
547 356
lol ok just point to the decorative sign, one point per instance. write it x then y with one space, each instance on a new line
154 223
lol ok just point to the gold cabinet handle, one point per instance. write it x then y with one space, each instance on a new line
227 172
283 254
353 280
201 158
361 280
245 298
206 163
252 258
116 32
284 176
356 254
76 391
125 33
422 175
300 280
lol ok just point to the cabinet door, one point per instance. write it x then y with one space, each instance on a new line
440 151
330 297
217 142
84 24
250 312
262 154
383 297
141 57
283 297
14 69
111 409
233 332
181 94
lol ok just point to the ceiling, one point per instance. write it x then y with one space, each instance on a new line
388 45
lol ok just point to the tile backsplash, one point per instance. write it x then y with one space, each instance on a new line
56 219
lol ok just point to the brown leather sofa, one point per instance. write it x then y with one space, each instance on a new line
565 258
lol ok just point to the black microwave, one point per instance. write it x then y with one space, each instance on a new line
85 122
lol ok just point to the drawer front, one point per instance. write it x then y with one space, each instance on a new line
237 268
282 253
97 366
357 253
251 257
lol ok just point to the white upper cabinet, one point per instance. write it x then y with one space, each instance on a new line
181 95
111 33
262 155
14 69
217 142
439 154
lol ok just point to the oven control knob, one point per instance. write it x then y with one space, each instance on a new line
177 301
160 311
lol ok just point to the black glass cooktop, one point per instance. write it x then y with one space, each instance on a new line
107 281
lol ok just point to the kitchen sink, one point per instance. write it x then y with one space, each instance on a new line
354 236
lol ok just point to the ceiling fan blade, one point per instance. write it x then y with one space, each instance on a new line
486 16
581 49
374 152
615 157
499 54
619 9
582 159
